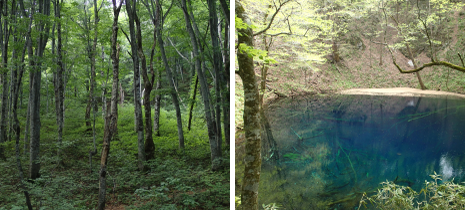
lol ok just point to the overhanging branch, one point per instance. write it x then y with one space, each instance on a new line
435 63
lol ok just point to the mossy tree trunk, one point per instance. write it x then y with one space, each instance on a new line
252 159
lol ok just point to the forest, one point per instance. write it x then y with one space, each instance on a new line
289 48
120 104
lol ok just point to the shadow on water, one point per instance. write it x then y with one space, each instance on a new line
325 152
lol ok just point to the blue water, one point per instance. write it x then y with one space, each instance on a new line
328 150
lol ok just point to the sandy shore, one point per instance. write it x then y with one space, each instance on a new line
406 92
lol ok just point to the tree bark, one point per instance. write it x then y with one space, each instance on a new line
148 84
170 81
252 160
44 29
4 37
226 84
111 127
157 106
132 16
218 67
192 103
415 66
59 89
16 81
211 124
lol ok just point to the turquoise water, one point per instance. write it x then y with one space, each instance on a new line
326 151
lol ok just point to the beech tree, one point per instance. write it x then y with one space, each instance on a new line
111 125
252 160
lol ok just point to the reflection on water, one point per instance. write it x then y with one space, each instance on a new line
332 149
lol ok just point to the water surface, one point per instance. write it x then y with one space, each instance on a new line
324 152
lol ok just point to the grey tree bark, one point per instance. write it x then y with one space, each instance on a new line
111 126
16 80
132 16
169 76
218 68
225 85
148 84
252 160
58 83
43 28
211 124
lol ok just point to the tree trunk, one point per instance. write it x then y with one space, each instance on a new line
211 124
415 66
191 107
218 67
148 84
16 81
252 161
44 29
226 84
59 80
132 15
111 127
157 106
170 81
4 37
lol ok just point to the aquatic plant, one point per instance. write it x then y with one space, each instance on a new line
447 195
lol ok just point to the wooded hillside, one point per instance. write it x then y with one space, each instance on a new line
79 83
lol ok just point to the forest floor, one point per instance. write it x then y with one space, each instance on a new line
175 179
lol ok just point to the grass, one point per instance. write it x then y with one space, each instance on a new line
175 179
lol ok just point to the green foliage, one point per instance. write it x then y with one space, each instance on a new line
257 54
434 195
271 206
174 180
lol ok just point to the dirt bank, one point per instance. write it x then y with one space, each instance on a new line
407 92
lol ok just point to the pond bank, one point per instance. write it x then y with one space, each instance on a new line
403 92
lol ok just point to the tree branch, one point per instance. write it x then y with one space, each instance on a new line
180 54
435 63
272 18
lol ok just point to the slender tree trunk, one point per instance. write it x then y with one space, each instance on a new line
4 37
218 67
16 81
170 81
211 124
226 86
59 80
111 127
132 16
44 29
192 103
249 191
28 47
148 84
415 66
157 106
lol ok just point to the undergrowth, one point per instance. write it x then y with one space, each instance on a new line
175 179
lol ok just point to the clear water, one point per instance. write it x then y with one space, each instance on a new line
326 151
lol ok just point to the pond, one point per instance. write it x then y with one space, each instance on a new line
324 152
